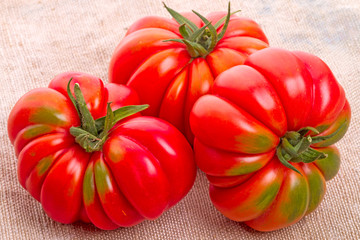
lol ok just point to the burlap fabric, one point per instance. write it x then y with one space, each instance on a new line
40 38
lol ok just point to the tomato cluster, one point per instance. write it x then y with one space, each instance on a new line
262 122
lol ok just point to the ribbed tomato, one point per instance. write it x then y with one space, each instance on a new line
264 137
171 75
109 172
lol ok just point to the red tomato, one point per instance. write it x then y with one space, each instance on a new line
257 119
171 75
144 167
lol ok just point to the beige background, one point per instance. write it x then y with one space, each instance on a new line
39 39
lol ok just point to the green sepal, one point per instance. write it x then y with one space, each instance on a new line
293 137
183 31
217 25
87 121
181 19
192 52
311 155
197 47
223 31
86 140
317 139
174 40
198 32
194 49
91 135
108 122
284 161
199 41
290 149
305 130
213 33
72 97
120 114
296 146
304 144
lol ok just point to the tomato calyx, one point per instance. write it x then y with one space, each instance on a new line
92 134
296 147
199 41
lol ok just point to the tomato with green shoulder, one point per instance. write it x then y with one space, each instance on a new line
85 153
264 136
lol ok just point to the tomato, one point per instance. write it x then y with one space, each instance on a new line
171 75
101 171
264 137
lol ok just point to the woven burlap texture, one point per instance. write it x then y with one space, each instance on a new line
39 39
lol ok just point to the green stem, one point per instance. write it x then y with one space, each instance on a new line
87 121
296 146
199 41
92 134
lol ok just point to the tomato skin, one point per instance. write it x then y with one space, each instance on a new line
219 123
146 63
274 92
61 190
250 199
110 188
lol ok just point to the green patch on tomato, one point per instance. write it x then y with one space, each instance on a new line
322 128
102 178
317 190
295 200
116 153
330 165
244 169
89 186
48 115
44 165
256 143
267 196
36 130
